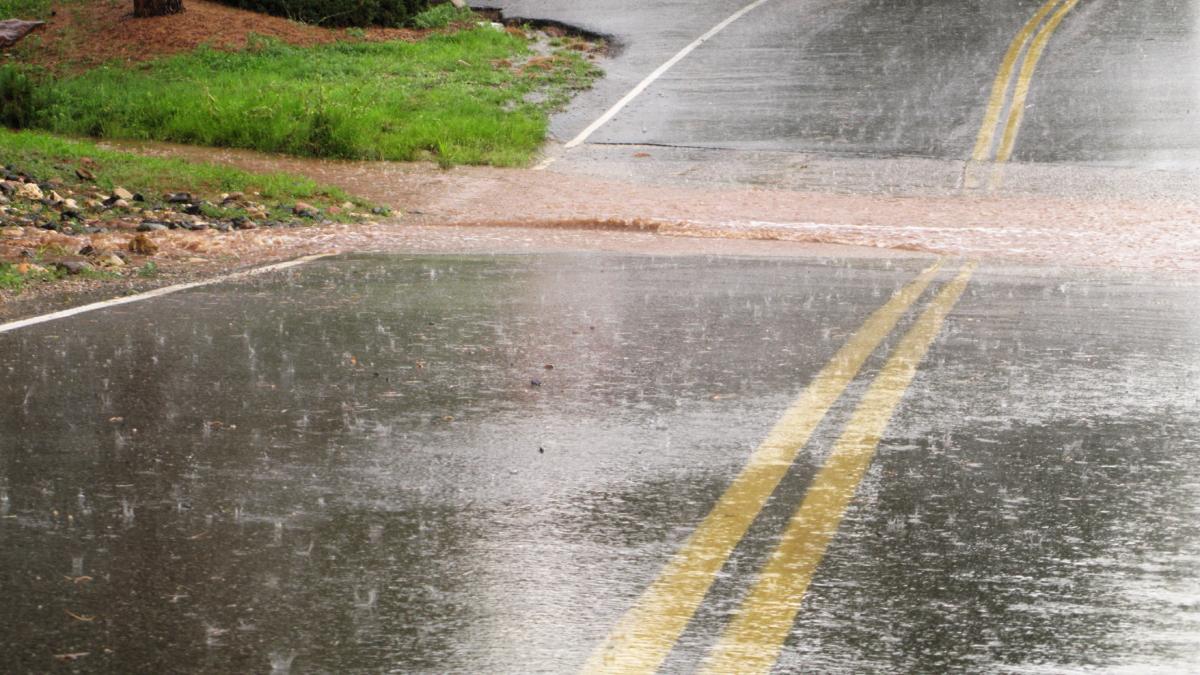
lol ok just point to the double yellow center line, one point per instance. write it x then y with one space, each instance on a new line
1026 50
646 634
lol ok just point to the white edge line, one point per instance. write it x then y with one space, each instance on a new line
158 292
641 86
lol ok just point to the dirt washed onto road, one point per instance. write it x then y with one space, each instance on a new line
1156 233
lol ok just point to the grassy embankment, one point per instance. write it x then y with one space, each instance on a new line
46 155
477 95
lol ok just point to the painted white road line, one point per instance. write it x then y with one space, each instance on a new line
641 86
158 292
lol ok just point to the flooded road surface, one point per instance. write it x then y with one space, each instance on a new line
490 463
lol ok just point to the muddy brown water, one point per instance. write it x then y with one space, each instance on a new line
1141 231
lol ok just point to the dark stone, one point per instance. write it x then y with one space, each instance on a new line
381 211
305 210
139 197
178 198
152 226
73 266
221 226
194 209
195 227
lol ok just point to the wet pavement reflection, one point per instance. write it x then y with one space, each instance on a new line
478 463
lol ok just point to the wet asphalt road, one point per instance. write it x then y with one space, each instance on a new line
367 464
871 79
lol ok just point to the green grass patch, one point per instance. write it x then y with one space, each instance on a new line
440 16
45 156
14 280
462 98
11 279
99 275
29 10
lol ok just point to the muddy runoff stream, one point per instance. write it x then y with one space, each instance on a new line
1135 230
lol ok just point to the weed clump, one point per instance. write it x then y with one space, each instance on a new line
440 16
17 91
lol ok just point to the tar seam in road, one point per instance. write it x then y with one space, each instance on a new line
156 293
754 638
645 635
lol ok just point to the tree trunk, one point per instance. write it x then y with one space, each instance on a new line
157 7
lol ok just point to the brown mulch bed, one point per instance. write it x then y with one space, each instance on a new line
85 34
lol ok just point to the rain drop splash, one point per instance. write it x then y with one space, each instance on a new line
366 601
127 511
281 662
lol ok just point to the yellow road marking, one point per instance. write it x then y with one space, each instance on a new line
1016 111
983 143
753 639
1028 60
647 632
